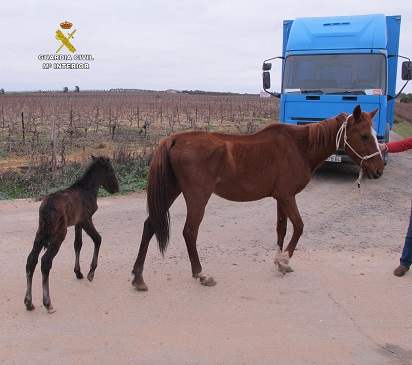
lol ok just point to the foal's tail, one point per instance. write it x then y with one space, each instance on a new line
47 223
160 180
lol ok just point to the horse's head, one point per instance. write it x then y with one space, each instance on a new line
108 176
360 143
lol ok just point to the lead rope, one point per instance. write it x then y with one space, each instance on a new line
342 130
345 194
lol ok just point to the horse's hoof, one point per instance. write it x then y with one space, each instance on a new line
90 276
30 306
208 281
79 275
284 268
142 287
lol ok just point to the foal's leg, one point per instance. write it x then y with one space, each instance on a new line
288 205
195 213
97 239
32 260
46 265
78 243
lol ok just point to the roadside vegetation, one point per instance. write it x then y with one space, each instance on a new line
402 127
40 180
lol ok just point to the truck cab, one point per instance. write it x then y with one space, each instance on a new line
332 64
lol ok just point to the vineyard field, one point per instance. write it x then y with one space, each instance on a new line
44 135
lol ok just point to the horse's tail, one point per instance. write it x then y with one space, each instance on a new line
159 180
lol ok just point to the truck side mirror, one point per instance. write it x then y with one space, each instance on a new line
266 66
266 80
406 70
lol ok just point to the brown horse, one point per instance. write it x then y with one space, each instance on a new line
73 206
277 162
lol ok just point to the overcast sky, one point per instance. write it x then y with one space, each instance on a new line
211 45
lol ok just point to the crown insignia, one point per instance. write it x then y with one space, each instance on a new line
66 25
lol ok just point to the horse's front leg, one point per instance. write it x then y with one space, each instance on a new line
281 228
288 205
97 239
195 213
78 243
32 260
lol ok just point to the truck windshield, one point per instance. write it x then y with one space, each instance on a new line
335 74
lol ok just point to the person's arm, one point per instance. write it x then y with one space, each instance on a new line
397 146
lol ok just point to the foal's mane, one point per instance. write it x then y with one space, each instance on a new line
84 180
324 133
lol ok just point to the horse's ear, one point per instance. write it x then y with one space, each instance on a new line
93 158
373 113
357 112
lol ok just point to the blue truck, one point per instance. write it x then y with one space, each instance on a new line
332 64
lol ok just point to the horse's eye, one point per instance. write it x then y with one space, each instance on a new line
364 137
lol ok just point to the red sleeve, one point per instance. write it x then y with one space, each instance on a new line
400 146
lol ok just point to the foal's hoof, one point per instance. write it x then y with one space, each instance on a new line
284 268
30 306
50 309
79 275
90 276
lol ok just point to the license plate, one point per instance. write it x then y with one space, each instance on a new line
334 158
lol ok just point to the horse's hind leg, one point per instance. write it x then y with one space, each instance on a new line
148 232
97 239
32 260
137 271
78 243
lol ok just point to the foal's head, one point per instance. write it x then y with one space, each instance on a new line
362 144
107 174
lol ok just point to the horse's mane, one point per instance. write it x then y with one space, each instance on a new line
324 133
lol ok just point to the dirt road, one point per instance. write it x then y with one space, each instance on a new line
341 305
